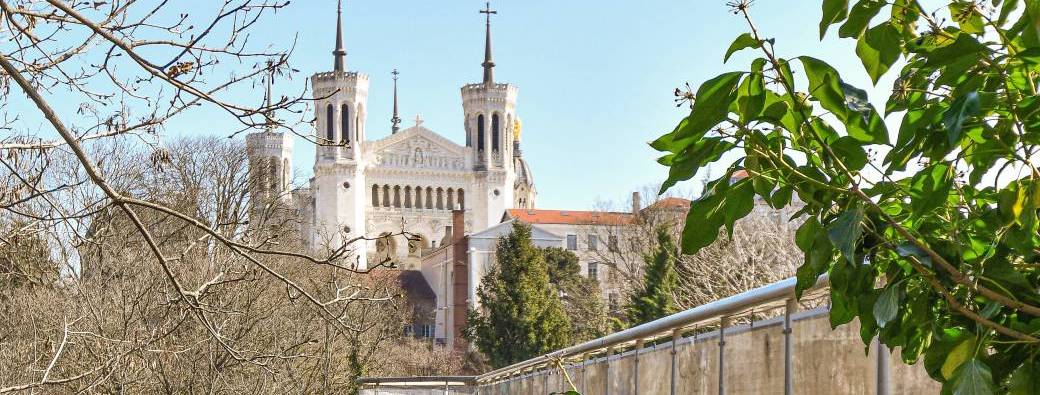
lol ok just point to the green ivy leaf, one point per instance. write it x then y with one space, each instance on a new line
878 49
742 41
957 356
845 232
751 93
929 188
824 85
860 17
710 106
834 11
973 378
962 108
887 306
850 152
967 16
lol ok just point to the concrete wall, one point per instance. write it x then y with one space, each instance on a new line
825 362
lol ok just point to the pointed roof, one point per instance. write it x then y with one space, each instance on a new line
339 54
489 65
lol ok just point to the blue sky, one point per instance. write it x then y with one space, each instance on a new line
595 78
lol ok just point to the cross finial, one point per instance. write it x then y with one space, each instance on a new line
487 10
418 120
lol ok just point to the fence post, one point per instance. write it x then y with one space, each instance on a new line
723 323
584 377
635 367
676 335
606 372
884 385
792 306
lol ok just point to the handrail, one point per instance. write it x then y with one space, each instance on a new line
778 291
430 380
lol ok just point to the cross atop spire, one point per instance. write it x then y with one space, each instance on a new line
339 53
489 65
395 122
269 115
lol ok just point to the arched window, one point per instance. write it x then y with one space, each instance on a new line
429 197
408 197
273 180
386 196
418 197
285 174
469 136
344 117
480 132
451 199
462 200
330 124
397 196
440 199
494 133
375 195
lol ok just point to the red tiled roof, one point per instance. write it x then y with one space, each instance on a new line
739 175
671 203
569 217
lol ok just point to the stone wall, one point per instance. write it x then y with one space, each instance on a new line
825 361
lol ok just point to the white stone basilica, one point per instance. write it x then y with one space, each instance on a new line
408 181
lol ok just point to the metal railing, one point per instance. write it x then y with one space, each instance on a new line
776 295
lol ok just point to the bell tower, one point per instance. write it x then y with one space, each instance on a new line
340 99
270 166
490 113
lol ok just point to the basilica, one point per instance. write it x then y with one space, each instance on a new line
409 181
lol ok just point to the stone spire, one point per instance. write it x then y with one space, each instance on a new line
489 65
395 122
339 53
269 115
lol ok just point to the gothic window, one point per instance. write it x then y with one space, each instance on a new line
408 197
285 174
375 195
451 199
386 196
429 197
330 124
494 133
469 136
273 169
480 133
418 197
461 200
345 122
397 196
440 199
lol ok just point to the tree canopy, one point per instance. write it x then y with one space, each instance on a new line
929 232
520 315
656 299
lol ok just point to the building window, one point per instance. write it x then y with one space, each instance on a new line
572 242
612 243
594 271
480 133
494 133
408 330
612 301
426 331
330 124
345 123
593 242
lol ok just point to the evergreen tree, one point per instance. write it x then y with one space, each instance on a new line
581 296
521 315
655 300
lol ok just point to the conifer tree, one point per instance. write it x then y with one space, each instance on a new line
580 295
521 315
656 299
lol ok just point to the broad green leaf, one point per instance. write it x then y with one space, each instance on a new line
824 85
834 11
1025 380
850 152
1006 9
973 378
929 188
741 42
710 105
967 16
960 354
751 93
887 306
845 231
961 109
859 18
878 49
687 163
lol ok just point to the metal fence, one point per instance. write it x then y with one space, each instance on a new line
688 353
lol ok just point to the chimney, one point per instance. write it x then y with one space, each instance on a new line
458 224
637 202
447 239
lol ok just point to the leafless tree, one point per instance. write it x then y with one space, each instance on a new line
161 283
